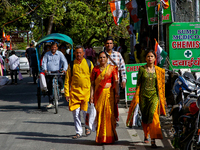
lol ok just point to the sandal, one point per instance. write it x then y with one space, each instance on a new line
146 140
153 144
76 136
87 131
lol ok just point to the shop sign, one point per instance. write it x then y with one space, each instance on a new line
184 45
152 14
17 40
131 74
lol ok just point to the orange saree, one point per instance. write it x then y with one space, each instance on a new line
104 103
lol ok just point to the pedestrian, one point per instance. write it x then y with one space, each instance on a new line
52 61
1 64
122 48
77 89
150 95
115 58
90 53
139 54
46 49
13 66
34 66
28 53
104 95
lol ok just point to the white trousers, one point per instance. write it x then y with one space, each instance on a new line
77 120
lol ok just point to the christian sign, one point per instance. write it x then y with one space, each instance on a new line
184 45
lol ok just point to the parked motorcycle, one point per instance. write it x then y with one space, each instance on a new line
185 113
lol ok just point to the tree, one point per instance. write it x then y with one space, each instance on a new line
87 22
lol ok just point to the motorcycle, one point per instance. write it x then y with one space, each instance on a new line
185 113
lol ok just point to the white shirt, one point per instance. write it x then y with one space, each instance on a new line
13 62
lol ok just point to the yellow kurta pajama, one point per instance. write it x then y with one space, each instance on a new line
80 85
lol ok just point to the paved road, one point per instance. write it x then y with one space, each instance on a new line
25 127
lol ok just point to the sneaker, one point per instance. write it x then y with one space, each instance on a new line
49 106
62 90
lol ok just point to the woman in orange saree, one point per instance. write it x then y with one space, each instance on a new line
150 95
104 94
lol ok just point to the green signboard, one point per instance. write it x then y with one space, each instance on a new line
184 45
152 14
131 73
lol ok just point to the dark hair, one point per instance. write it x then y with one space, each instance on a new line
121 40
45 47
31 44
139 51
12 52
102 52
80 46
109 38
150 51
54 43
62 45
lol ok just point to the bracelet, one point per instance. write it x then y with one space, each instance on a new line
91 98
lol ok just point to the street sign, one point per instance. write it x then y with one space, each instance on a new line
131 74
184 45
14 35
17 40
152 14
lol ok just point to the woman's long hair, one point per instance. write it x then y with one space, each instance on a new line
150 51
139 50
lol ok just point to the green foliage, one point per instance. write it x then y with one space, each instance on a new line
19 46
85 21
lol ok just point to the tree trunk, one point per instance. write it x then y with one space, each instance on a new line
50 25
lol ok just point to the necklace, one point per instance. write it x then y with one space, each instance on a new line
103 75
150 72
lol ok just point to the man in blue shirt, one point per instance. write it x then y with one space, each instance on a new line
52 61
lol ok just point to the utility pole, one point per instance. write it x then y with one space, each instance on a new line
161 37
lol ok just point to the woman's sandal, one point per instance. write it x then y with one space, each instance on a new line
76 136
153 144
146 140
87 131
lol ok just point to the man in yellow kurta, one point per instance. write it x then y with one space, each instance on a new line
77 88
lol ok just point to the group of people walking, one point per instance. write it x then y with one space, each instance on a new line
85 84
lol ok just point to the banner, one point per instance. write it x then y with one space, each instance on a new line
131 73
184 45
152 14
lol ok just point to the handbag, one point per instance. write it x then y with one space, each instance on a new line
137 118
90 120
43 84
20 75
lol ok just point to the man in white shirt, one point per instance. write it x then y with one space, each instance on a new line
13 66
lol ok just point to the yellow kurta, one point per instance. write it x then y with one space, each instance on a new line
80 85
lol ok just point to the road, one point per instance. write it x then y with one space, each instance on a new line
25 127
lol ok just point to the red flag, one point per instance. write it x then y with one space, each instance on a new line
132 8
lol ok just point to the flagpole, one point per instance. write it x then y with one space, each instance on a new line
158 22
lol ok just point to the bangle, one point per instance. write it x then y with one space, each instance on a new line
91 98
